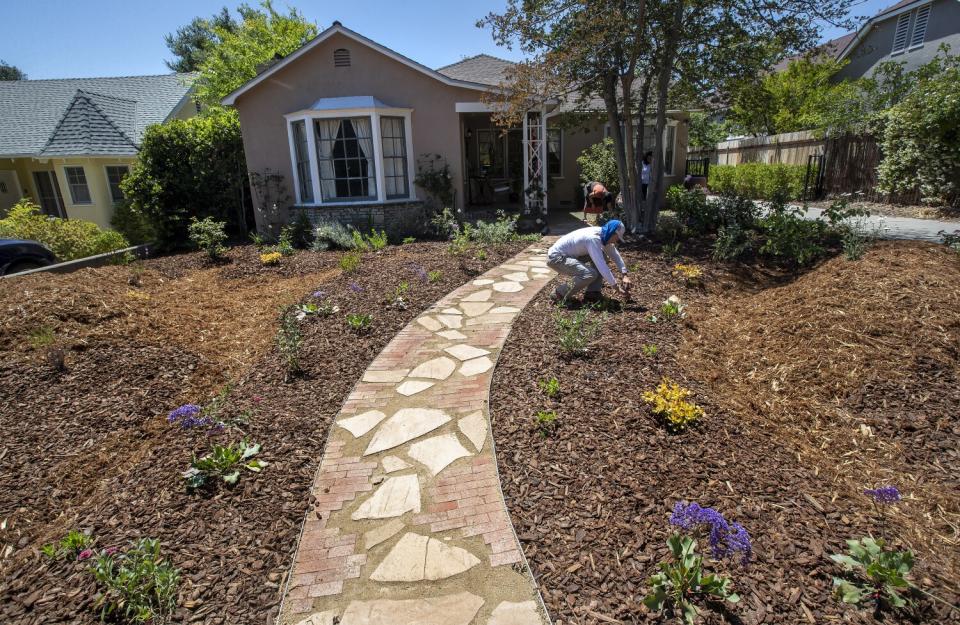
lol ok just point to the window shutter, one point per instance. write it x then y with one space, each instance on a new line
341 57
920 26
900 37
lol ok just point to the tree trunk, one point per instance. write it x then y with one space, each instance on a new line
613 118
631 191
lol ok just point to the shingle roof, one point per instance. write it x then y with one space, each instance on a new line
482 68
84 115
832 48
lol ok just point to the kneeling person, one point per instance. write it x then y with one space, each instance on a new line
583 254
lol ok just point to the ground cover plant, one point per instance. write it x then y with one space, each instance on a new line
98 455
68 239
760 348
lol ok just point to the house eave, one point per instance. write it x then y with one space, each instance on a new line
869 24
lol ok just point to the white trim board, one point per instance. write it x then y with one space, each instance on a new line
338 28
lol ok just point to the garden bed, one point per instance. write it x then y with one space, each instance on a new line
91 449
591 501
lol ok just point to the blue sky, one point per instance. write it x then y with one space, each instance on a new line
79 38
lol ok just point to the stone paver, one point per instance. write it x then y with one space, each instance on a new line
408 524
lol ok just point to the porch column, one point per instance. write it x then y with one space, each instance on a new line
534 171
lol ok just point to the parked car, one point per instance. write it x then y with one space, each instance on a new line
17 255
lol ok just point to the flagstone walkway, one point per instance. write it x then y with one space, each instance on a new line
407 523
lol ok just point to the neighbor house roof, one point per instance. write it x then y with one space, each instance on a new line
482 68
338 28
901 7
832 49
85 116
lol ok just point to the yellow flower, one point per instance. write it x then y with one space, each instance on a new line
669 403
271 258
689 272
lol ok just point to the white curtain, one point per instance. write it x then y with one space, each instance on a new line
326 136
361 125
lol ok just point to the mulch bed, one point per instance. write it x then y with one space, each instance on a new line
91 449
591 501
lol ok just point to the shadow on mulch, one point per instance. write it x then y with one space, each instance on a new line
91 448
591 502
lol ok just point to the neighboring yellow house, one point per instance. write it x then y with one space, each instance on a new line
67 143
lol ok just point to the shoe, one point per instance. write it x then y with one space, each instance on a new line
592 298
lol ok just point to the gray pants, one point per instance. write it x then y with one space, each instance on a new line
585 275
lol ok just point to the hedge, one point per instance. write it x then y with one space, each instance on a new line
68 239
759 181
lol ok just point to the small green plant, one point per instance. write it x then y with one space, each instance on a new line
670 309
732 242
649 350
460 242
332 235
481 253
359 243
398 298
209 235
350 261
377 240
574 332
224 462
285 243
300 231
856 240
878 575
434 275
671 250
669 402
69 547
359 322
290 340
258 240
951 240
409 240
546 421
41 337
550 388
138 585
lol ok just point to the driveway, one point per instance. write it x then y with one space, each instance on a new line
900 227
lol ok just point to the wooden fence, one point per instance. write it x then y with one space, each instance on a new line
850 166
790 148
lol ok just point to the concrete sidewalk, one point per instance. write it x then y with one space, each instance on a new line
901 227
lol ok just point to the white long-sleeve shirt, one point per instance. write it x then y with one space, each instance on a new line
586 242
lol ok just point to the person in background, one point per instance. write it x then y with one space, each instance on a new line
582 254
596 200
645 174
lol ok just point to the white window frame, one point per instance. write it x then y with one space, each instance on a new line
374 113
86 183
106 176
557 176
911 44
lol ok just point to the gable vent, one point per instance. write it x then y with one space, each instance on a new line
900 35
341 57
920 26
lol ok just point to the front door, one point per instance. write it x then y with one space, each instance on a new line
51 202
9 189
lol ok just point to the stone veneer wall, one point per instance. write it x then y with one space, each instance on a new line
398 219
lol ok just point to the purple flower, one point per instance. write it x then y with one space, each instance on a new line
186 410
196 422
884 494
356 288
86 553
725 538
109 551
419 271
319 294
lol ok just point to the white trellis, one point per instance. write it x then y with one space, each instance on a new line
534 171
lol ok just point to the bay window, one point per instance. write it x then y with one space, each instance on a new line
348 154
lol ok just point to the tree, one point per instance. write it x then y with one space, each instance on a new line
191 44
10 72
261 36
635 55
704 131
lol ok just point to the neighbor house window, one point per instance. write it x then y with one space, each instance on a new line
115 175
555 152
346 159
900 35
77 181
920 26
394 157
302 158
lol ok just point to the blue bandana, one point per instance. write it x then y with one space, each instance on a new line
609 229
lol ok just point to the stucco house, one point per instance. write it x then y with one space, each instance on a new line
67 143
347 121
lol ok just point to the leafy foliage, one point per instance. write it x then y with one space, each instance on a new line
270 258
224 462
300 231
192 168
879 575
69 547
332 235
138 585
10 72
377 240
951 240
191 44
68 239
546 421
132 224
434 177
705 131
683 579
209 235
435 275
576 330
351 261
550 387
760 181
791 238
693 210
359 322
669 402
650 350
290 340
598 162
262 35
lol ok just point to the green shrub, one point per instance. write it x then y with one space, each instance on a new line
435 275
285 243
132 224
69 547
377 240
760 181
503 230
693 209
732 242
193 168
224 462
332 235
209 235
290 340
138 586
598 162
350 261
359 322
791 238
300 231
874 575
574 332
408 240
550 387
68 239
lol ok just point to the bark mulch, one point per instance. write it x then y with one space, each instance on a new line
90 448
591 500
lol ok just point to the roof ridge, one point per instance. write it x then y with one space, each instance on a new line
105 96
476 56
105 77
85 96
